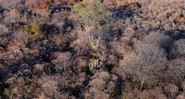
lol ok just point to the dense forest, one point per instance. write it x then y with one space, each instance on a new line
92 49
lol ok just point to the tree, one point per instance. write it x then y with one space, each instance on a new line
89 13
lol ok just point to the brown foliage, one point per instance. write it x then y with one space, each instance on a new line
152 94
171 90
39 4
103 86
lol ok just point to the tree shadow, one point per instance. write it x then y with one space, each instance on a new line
126 11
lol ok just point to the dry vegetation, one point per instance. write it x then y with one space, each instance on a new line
92 49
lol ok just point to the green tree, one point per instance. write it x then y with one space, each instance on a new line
89 13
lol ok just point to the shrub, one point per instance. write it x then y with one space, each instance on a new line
39 4
19 89
50 87
62 22
62 62
103 86
152 53
158 40
177 17
178 48
176 70
21 37
13 16
152 94
4 35
33 29
171 90
148 60
90 13
3 29
9 4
